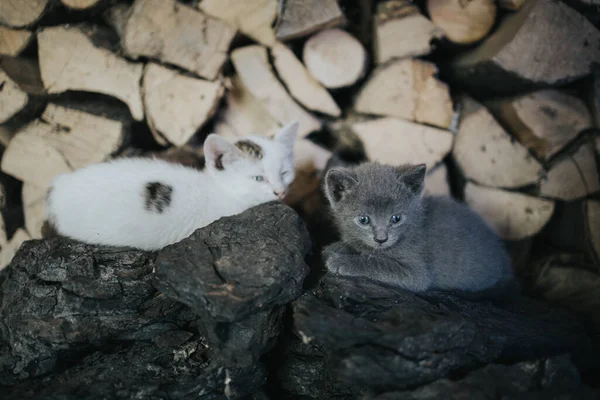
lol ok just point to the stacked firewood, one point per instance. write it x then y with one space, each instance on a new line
499 98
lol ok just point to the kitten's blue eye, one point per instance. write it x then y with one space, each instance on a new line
364 220
395 219
258 178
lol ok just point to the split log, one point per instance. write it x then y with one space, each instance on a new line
544 121
177 106
592 213
22 95
545 43
395 141
301 85
335 58
402 31
12 98
512 215
12 246
407 89
13 41
22 13
62 140
254 18
299 18
436 181
243 113
34 209
82 4
464 22
488 155
573 176
70 60
254 70
177 34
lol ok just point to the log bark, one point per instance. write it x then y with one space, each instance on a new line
407 89
395 141
243 113
299 18
512 215
592 228
301 85
14 41
62 140
254 18
82 4
572 176
463 22
545 121
402 31
177 106
488 155
254 70
545 43
12 246
70 59
162 29
335 58
22 13
436 181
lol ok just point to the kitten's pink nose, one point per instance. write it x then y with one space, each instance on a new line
279 194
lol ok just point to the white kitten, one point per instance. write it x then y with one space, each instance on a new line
148 204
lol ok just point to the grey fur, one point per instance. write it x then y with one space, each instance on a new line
254 150
441 244
157 196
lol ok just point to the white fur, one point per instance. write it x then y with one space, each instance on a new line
105 203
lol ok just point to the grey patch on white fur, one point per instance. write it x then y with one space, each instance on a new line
157 196
254 150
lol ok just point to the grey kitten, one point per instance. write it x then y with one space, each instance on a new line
391 233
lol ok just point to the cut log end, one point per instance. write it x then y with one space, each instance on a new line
335 58
545 121
407 89
395 141
82 4
299 18
14 41
12 98
22 13
70 61
488 155
512 215
301 85
255 73
160 29
177 106
463 22
573 176
402 31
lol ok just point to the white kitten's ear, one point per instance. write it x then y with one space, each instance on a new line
338 182
287 134
219 152
414 178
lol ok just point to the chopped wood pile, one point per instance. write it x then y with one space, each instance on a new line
501 100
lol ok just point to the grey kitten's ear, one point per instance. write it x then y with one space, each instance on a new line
414 178
337 184
219 152
287 134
